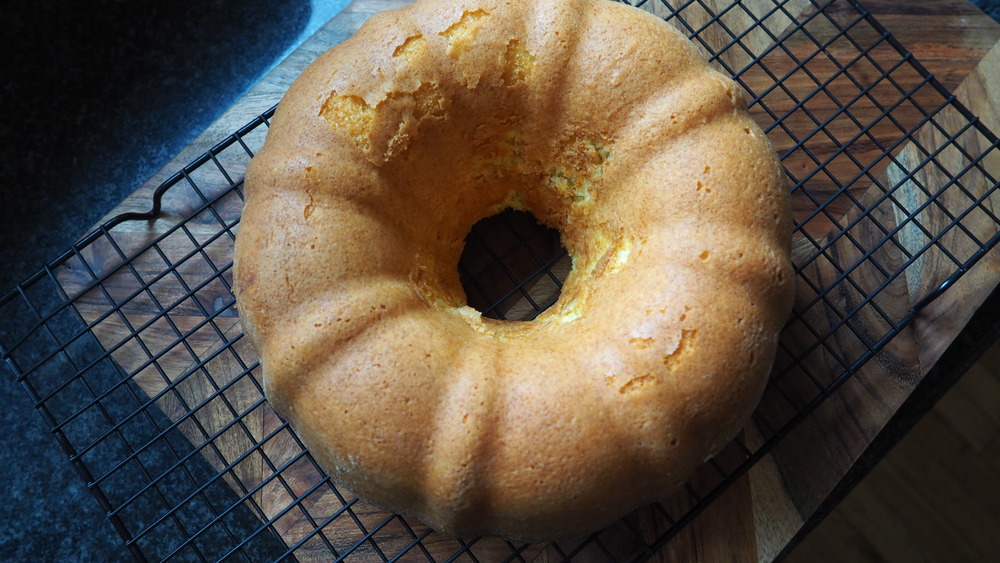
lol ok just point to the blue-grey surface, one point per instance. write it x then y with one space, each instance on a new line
96 97
991 7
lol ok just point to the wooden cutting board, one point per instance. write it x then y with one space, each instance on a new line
179 290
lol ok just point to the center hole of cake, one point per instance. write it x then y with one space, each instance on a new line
512 267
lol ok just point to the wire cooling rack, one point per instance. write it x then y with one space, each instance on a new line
128 343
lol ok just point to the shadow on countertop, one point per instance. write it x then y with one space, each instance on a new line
96 98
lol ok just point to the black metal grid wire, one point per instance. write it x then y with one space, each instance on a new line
128 344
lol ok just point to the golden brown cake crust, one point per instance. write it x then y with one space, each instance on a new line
607 125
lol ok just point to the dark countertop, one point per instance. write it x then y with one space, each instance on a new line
97 99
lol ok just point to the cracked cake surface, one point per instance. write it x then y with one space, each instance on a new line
607 125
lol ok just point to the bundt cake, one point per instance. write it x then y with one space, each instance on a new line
606 124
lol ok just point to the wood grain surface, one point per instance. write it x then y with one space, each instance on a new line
933 498
889 173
